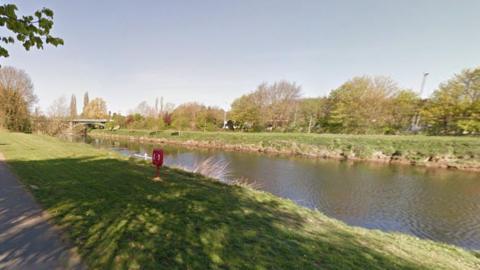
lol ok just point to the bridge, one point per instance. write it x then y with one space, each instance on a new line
88 122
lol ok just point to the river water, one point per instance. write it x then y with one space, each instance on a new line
438 204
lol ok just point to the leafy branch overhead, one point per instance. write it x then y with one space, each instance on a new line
31 31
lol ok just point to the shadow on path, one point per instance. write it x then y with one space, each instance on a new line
27 240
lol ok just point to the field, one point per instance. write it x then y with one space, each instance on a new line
120 219
436 151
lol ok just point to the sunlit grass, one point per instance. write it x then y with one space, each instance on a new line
120 219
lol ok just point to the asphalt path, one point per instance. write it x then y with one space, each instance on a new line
27 239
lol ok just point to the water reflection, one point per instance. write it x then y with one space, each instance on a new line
436 204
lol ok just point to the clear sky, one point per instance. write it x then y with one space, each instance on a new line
214 51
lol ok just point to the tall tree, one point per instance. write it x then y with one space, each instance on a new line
16 99
185 115
311 112
361 105
196 116
30 31
282 102
245 112
85 102
57 112
144 109
58 109
73 107
96 109
404 107
269 105
454 107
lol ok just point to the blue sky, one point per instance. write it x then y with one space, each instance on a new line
215 51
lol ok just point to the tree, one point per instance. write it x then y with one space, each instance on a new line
85 102
145 109
119 120
167 118
167 108
209 118
272 105
282 102
454 107
196 116
404 107
73 107
59 109
134 120
96 109
16 99
185 115
30 31
311 111
361 105
245 112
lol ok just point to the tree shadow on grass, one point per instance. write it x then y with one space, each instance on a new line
120 219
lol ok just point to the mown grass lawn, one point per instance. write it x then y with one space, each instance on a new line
120 219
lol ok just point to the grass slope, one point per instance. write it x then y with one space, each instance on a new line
120 219
459 152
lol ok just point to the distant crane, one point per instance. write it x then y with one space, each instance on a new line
424 80
416 119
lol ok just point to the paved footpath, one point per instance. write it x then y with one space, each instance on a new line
27 240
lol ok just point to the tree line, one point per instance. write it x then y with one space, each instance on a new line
361 105
364 105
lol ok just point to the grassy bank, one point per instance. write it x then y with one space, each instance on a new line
447 152
120 219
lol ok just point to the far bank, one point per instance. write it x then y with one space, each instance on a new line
461 153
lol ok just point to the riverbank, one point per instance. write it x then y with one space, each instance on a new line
461 153
119 218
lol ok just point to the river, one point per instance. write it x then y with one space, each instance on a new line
437 204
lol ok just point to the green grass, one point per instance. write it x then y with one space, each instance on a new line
461 152
120 219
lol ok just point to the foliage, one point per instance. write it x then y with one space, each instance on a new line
119 218
96 109
73 107
270 106
245 112
454 108
185 115
59 109
144 109
361 105
119 120
86 100
55 123
30 31
311 112
145 116
195 116
167 118
16 99
405 105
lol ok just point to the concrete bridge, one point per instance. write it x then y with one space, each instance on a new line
88 122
